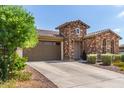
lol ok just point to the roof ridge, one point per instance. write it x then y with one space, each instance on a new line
99 32
68 22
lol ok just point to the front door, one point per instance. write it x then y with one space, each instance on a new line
77 50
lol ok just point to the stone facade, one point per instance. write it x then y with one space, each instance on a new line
89 43
95 44
70 37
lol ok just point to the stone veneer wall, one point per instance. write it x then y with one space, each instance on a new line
90 45
70 37
95 44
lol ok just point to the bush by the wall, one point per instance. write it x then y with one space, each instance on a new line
91 58
19 63
122 57
106 59
116 58
119 64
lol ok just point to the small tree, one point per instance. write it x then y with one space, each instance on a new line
16 30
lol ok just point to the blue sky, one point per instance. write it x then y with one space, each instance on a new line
98 17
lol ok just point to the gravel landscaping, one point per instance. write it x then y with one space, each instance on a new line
112 67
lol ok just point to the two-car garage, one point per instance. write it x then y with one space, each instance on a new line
49 47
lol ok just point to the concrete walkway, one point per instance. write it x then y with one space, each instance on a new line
78 75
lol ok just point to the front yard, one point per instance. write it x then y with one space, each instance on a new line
113 62
33 79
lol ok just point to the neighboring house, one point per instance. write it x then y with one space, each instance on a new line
71 42
121 47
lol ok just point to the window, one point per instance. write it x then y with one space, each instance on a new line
104 46
112 46
77 30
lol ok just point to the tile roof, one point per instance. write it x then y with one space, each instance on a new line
47 33
100 32
66 23
89 35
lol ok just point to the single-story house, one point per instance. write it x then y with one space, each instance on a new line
121 49
71 41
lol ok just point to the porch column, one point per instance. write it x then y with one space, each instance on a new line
62 50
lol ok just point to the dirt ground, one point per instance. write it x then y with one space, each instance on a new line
37 81
112 67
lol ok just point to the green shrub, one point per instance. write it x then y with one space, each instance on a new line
122 57
18 76
22 76
116 58
19 62
121 68
106 59
16 63
91 58
118 64
8 84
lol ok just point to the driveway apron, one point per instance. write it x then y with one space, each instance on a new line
78 75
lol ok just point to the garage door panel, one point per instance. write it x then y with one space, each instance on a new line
50 52
43 52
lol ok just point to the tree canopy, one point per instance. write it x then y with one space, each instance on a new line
17 29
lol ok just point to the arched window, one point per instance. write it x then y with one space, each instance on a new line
112 46
104 46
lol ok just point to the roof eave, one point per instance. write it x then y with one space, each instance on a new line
49 38
115 34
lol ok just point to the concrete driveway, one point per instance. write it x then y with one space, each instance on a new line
78 75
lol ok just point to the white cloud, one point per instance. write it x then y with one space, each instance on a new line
117 30
119 6
121 14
